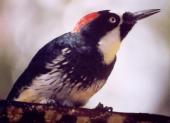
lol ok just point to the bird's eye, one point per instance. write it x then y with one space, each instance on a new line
112 19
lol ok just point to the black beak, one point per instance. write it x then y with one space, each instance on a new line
145 13
130 17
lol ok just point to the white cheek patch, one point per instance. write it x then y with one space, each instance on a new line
109 45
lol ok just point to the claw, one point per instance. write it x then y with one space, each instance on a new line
101 107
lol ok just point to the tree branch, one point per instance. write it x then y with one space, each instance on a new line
20 112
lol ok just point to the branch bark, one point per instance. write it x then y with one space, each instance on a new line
20 112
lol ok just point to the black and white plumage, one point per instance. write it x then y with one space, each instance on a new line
73 67
58 68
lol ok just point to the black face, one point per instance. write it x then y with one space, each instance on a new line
107 21
127 24
129 20
104 23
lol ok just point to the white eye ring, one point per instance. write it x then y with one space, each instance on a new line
112 19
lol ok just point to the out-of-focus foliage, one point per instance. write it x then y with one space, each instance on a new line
140 81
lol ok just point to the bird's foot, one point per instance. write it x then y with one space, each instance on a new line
101 107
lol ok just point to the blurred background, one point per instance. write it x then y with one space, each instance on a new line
140 81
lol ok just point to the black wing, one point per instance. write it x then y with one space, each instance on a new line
37 66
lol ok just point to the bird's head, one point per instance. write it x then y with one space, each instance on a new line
106 29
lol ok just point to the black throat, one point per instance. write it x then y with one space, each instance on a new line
126 26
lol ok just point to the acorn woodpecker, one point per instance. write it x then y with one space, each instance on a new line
74 66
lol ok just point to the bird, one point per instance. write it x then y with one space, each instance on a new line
73 67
